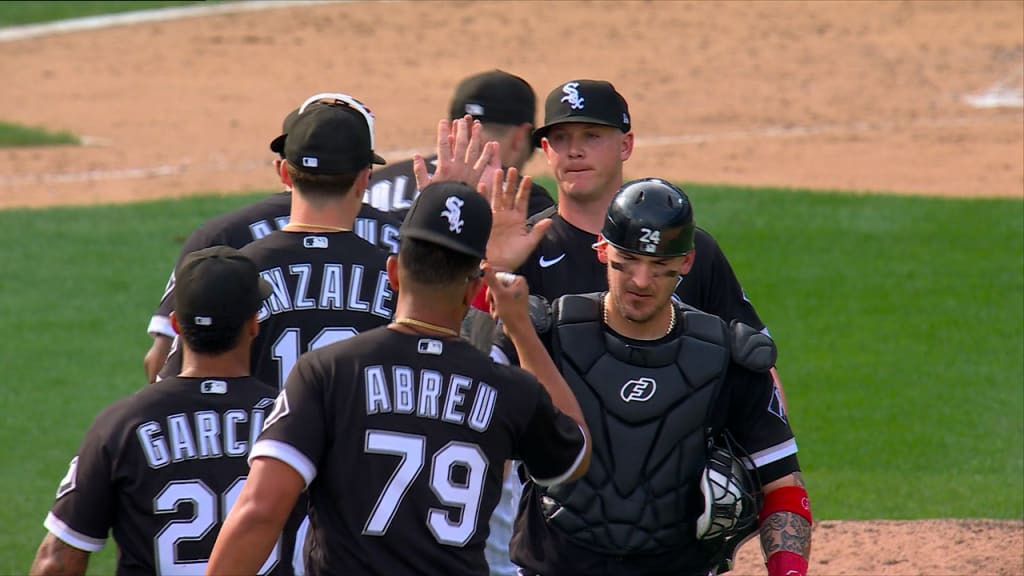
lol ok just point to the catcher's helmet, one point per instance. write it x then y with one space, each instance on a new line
651 217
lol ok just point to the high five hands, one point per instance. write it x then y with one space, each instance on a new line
512 241
462 155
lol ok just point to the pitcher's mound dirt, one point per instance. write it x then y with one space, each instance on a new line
854 96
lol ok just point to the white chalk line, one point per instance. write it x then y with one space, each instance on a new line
27 31
1006 93
251 164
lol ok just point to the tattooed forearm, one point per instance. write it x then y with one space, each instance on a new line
786 531
59 559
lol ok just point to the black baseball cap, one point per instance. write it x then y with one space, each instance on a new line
450 214
586 101
331 133
494 97
217 288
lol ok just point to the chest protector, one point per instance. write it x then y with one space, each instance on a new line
649 414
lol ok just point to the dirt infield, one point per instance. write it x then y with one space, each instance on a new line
861 96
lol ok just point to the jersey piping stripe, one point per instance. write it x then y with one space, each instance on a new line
68 535
161 325
285 453
570 471
774 454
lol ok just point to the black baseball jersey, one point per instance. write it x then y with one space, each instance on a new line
252 222
327 287
161 470
565 263
748 406
393 188
402 441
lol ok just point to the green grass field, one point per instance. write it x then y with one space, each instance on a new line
17 13
900 323
18 135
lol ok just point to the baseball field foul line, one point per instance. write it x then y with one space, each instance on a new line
158 15
769 132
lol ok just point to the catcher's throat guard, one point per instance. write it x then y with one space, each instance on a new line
732 499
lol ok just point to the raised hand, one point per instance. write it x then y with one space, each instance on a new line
462 155
511 241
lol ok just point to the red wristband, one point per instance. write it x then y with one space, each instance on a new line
786 499
785 563
480 301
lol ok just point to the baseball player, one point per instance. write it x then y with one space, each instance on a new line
692 445
402 456
249 223
586 138
162 467
505 105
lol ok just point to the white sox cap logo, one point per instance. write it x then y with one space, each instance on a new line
572 95
641 390
454 213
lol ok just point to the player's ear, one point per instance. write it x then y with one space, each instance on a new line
687 263
627 146
363 180
254 325
392 269
601 247
174 323
282 173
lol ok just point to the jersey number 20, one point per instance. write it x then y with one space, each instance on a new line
204 518
465 496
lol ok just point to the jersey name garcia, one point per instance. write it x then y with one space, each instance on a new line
161 470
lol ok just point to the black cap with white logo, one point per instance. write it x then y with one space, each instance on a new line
217 288
586 101
450 214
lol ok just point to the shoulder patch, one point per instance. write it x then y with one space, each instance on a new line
70 480
280 410
775 405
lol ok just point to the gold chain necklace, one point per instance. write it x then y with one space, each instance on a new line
671 322
427 326
291 227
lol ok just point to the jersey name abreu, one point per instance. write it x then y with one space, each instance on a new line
428 394
200 435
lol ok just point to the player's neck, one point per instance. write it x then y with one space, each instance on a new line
426 317
232 364
588 216
339 214
658 327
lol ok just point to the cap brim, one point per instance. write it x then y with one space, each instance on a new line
376 158
277 144
543 130
442 240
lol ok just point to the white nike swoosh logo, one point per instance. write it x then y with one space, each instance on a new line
544 262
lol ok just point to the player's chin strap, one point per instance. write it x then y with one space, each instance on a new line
791 499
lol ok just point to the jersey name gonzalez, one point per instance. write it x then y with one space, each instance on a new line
337 290
199 435
425 394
